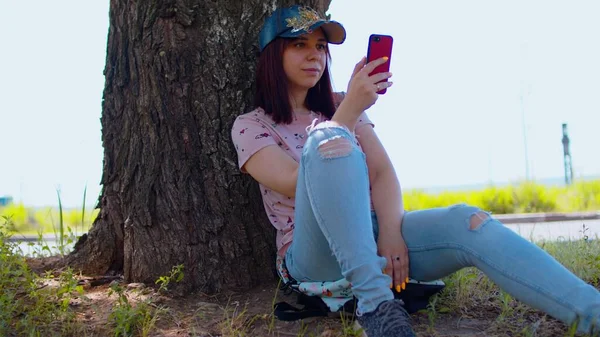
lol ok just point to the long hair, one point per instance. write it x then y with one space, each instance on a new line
272 94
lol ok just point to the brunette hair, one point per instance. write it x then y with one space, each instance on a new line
272 93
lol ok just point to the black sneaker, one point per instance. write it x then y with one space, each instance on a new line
388 320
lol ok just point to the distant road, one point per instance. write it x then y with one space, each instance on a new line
558 230
32 238
536 231
554 226
547 217
536 227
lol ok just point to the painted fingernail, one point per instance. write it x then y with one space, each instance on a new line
385 58
406 280
398 288
403 285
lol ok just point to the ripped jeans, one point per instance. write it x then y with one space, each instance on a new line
335 236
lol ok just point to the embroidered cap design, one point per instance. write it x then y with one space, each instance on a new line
306 18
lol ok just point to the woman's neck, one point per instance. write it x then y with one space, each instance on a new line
298 101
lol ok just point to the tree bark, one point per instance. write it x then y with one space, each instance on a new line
177 75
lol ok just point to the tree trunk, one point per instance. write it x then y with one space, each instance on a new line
177 74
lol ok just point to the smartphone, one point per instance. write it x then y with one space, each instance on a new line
380 46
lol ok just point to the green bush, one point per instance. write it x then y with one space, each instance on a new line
527 197
30 220
583 196
496 200
532 198
18 215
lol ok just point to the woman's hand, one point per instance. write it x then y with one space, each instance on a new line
391 245
362 88
362 92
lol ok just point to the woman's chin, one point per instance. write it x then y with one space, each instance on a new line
311 85
306 85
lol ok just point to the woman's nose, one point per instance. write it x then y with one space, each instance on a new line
314 54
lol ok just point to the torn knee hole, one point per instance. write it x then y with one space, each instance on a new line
477 219
335 147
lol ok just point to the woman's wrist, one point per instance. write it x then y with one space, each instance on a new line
346 115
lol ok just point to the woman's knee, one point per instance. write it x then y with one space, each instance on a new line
329 141
468 218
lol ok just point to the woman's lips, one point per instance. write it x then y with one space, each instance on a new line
312 71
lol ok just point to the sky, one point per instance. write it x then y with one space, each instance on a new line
477 86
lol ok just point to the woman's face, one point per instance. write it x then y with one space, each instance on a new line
304 60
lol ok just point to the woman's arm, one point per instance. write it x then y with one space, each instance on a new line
387 201
385 187
275 169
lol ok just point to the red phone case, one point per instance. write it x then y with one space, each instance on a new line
380 46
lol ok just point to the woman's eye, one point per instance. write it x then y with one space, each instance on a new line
321 47
299 44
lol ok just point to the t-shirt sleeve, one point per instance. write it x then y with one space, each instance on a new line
338 97
249 136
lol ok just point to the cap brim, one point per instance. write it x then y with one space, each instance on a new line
334 31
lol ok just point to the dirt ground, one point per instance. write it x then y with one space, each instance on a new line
249 314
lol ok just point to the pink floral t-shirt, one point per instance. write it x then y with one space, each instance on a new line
254 131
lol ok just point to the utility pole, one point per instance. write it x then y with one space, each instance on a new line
525 92
524 125
567 156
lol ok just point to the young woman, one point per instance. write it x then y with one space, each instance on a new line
331 192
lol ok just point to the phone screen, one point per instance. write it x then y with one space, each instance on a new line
380 46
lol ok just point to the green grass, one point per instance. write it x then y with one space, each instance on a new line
30 307
470 292
42 305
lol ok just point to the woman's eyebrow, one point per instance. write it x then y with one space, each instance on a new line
305 39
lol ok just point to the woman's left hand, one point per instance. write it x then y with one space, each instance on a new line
391 245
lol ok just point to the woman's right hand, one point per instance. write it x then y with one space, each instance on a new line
362 88
362 92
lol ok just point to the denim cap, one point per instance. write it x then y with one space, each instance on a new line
297 20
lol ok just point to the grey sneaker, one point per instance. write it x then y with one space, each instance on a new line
388 320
